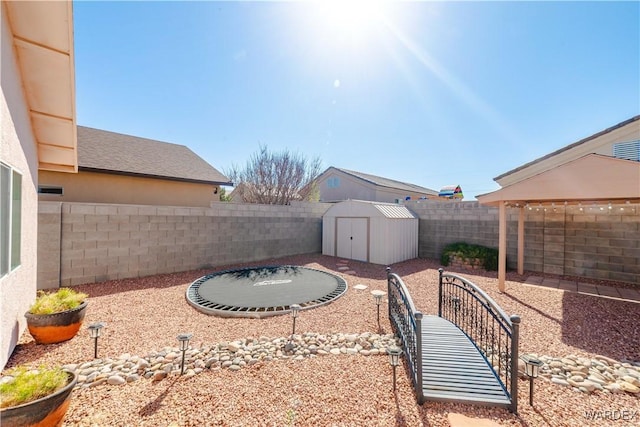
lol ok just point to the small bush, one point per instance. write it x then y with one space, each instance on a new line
61 300
21 384
466 251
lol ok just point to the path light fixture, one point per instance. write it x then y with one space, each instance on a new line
531 368
394 360
295 308
95 329
184 345
377 294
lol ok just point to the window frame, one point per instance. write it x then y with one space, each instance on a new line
11 201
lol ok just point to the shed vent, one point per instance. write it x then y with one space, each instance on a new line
627 150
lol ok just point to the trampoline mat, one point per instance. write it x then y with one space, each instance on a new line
263 291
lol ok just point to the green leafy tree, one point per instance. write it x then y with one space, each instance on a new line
224 197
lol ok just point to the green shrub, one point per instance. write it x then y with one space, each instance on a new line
466 251
21 384
55 302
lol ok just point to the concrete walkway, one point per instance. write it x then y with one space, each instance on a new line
624 294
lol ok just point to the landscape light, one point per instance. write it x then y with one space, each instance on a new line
184 345
378 298
531 368
95 330
394 360
295 308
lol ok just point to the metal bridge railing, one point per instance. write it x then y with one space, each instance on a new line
406 322
494 333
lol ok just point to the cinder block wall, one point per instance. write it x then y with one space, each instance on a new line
81 242
97 242
585 241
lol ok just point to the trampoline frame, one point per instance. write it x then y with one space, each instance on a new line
217 309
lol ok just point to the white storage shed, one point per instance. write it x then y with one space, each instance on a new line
380 233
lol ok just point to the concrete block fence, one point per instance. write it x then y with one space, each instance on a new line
592 241
86 242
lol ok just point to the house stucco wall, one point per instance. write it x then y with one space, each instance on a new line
17 150
353 188
599 145
93 187
89 242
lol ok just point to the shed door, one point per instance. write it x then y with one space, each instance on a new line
352 238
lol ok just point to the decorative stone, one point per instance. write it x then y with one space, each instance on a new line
116 380
607 360
559 381
628 387
159 375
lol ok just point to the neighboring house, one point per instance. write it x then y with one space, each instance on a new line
336 184
38 131
600 170
621 141
124 169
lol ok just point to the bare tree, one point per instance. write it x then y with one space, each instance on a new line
275 178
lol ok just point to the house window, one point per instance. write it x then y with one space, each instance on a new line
10 218
627 150
50 190
333 182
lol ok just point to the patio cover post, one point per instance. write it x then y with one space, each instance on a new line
502 245
521 240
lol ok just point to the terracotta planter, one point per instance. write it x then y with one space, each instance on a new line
57 327
44 412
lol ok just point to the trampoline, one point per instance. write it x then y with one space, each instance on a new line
264 291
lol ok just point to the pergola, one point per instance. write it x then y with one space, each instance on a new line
591 179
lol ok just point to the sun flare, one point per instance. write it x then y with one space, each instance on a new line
353 18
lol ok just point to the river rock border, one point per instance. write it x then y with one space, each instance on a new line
233 355
589 375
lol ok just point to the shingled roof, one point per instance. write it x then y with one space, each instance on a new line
389 183
116 153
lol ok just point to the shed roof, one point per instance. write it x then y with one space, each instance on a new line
111 152
363 208
386 182
593 177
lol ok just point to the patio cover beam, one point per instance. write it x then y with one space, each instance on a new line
593 178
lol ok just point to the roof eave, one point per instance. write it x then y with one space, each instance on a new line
142 175
43 42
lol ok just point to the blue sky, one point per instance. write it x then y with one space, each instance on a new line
431 93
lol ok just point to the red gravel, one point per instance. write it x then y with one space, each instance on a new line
146 314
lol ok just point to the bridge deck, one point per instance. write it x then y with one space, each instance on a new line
453 368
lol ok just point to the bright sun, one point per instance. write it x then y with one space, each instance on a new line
351 18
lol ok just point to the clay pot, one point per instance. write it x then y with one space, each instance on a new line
56 327
44 412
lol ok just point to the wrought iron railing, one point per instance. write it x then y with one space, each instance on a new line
406 322
494 333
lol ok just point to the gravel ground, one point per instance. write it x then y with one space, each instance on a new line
143 315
